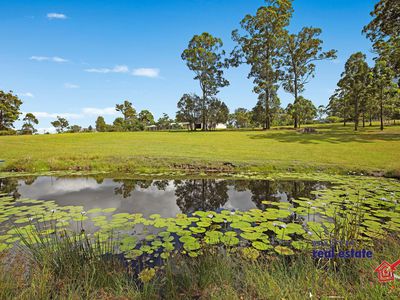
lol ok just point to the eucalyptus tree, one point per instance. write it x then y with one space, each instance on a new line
9 110
205 57
164 122
29 123
60 124
383 85
260 46
384 32
74 129
303 109
339 106
129 115
189 110
101 125
354 82
301 51
146 118
218 113
241 118
258 111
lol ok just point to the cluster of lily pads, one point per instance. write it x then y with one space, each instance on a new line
280 227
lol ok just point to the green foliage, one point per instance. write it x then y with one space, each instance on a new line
352 86
130 121
241 118
101 125
164 122
9 110
303 109
384 32
382 87
29 121
204 57
60 124
74 129
189 110
146 118
261 47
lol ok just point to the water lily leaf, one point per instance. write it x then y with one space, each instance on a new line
283 250
261 245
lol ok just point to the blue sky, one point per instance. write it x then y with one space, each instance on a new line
79 58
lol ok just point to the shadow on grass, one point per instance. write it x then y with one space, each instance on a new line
335 135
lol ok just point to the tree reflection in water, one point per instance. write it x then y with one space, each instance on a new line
194 194
201 194
9 186
277 190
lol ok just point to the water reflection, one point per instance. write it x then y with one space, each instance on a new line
202 194
165 197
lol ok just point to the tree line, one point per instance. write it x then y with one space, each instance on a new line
365 93
278 59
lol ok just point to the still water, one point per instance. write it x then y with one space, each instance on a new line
164 197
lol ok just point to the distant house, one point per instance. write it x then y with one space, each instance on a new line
151 127
211 126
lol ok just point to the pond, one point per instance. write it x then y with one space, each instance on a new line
164 197
282 214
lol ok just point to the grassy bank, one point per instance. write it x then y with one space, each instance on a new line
70 273
333 148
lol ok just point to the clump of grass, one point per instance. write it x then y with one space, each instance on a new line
77 268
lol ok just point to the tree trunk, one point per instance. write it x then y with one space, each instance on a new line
203 112
381 108
363 119
296 120
267 120
356 116
370 119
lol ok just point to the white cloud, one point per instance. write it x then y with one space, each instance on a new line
143 72
85 112
56 59
120 69
99 111
59 16
146 72
27 94
43 114
116 69
68 85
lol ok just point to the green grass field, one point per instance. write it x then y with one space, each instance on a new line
333 147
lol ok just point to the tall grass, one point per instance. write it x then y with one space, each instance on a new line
77 269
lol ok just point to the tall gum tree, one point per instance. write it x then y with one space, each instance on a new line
384 32
383 85
9 110
301 51
354 82
260 46
205 57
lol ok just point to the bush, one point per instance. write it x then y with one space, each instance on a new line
8 132
333 119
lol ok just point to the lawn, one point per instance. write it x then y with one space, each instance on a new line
332 147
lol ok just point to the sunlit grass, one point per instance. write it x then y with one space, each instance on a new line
333 147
